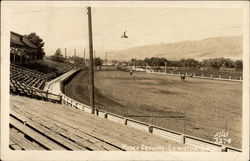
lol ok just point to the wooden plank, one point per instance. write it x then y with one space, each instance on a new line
66 121
89 135
99 137
81 124
102 133
71 133
36 136
50 133
34 143
14 145
23 142
78 140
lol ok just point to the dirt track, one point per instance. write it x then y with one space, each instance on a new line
207 103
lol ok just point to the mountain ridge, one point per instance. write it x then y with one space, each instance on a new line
226 46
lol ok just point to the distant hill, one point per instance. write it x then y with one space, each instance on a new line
228 46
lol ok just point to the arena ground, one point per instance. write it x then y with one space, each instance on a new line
210 106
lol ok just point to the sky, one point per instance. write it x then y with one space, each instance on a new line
66 26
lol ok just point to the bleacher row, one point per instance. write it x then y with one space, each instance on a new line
29 83
33 73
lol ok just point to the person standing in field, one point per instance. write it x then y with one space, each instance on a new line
183 77
131 72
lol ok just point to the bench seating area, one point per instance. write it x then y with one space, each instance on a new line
40 125
29 83
33 73
47 66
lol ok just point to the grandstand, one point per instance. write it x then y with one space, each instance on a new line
29 73
40 125
29 83
22 50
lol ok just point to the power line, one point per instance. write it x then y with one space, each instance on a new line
119 23
144 17
173 33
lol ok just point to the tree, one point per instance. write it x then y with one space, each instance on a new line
58 56
58 53
206 63
238 64
228 63
217 62
36 40
98 61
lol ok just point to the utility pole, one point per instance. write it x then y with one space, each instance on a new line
75 57
84 57
94 58
165 67
185 115
106 58
226 126
91 67
65 53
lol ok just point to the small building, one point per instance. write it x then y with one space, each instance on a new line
22 50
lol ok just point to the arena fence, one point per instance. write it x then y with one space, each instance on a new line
52 97
194 76
204 145
171 72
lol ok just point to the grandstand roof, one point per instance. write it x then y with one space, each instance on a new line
19 39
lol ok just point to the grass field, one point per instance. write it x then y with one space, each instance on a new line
210 106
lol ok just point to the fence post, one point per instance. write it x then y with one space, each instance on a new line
182 139
229 77
223 148
46 95
186 73
125 121
211 75
150 129
194 74
202 75
179 73
219 77
61 101
97 112
240 78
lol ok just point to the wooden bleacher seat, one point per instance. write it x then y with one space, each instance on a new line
30 83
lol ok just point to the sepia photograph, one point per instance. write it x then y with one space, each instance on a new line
140 77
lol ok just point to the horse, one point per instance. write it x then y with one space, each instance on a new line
183 77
